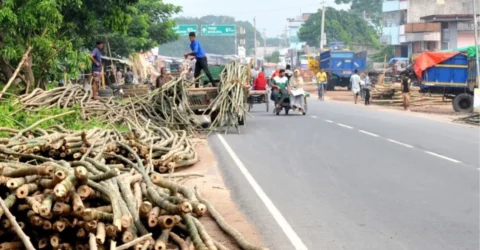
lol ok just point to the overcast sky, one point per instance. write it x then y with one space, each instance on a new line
270 15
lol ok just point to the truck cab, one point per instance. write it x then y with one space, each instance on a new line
340 66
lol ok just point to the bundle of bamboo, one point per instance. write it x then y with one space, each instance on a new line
89 190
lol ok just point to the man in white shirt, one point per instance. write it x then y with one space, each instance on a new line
355 82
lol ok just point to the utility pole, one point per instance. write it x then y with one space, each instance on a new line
264 43
255 42
476 41
322 30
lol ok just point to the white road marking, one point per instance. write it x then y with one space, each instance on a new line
282 222
400 143
314 117
345 126
368 133
443 157
329 121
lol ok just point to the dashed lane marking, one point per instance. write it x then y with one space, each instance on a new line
442 156
368 133
343 125
400 143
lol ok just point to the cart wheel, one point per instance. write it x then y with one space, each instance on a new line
286 111
249 106
266 101
278 113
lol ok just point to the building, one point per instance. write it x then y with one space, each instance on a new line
414 26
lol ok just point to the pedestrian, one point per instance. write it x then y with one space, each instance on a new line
118 77
96 57
406 92
368 87
201 58
129 76
163 78
355 83
322 80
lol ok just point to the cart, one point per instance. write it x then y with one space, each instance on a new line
287 107
257 97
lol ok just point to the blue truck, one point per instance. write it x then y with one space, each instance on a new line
455 78
340 65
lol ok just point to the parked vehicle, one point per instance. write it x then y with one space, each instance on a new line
454 77
340 65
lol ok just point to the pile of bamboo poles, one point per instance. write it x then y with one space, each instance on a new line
472 119
165 107
391 94
229 105
94 189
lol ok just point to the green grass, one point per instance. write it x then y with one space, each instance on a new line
12 116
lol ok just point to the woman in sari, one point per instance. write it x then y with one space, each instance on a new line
297 94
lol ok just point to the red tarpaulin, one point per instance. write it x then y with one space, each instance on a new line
429 59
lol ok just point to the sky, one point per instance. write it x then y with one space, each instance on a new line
270 15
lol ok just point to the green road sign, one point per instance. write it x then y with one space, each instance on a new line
218 30
184 29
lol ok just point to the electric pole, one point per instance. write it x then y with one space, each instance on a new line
255 42
322 30
264 43
476 40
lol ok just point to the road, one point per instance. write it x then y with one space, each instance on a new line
350 177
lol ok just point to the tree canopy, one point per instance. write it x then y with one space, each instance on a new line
274 57
372 8
212 44
340 25
61 32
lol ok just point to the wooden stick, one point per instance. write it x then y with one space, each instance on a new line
39 122
134 242
92 241
19 67
25 239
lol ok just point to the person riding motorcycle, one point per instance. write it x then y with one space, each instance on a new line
280 88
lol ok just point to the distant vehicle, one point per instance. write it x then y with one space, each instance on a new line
340 66
454 77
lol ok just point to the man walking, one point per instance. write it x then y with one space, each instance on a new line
322 80
200 56
96 57
406 92
355 82
368 87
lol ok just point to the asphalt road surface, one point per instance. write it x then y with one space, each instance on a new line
349 177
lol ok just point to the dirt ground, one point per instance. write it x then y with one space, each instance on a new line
441 112
213 189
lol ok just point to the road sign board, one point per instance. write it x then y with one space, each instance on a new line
184 29
218 30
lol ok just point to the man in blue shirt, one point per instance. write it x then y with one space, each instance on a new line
201 57
96 57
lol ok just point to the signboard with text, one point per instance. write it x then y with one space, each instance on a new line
219 30
184 29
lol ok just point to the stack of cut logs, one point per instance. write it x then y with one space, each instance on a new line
391 94
99 188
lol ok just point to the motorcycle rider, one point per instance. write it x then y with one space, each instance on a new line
280 86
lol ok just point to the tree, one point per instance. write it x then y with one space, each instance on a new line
150 26
60 33
340 25
212 44
372 8
387 50
274 57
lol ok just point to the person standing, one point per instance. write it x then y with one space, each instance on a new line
406 92
129 76
355 82
200 56
119 77
322 80
96 57
368 87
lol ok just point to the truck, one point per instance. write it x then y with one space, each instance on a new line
454 77
340 66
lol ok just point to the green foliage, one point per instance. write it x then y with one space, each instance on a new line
274 57
372 8
388 51
212 44
12 116
340 25
150 26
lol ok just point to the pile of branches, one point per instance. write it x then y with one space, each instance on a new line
97 189
166 107
473 119
229 106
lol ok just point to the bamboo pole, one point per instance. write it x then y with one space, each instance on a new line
19 67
